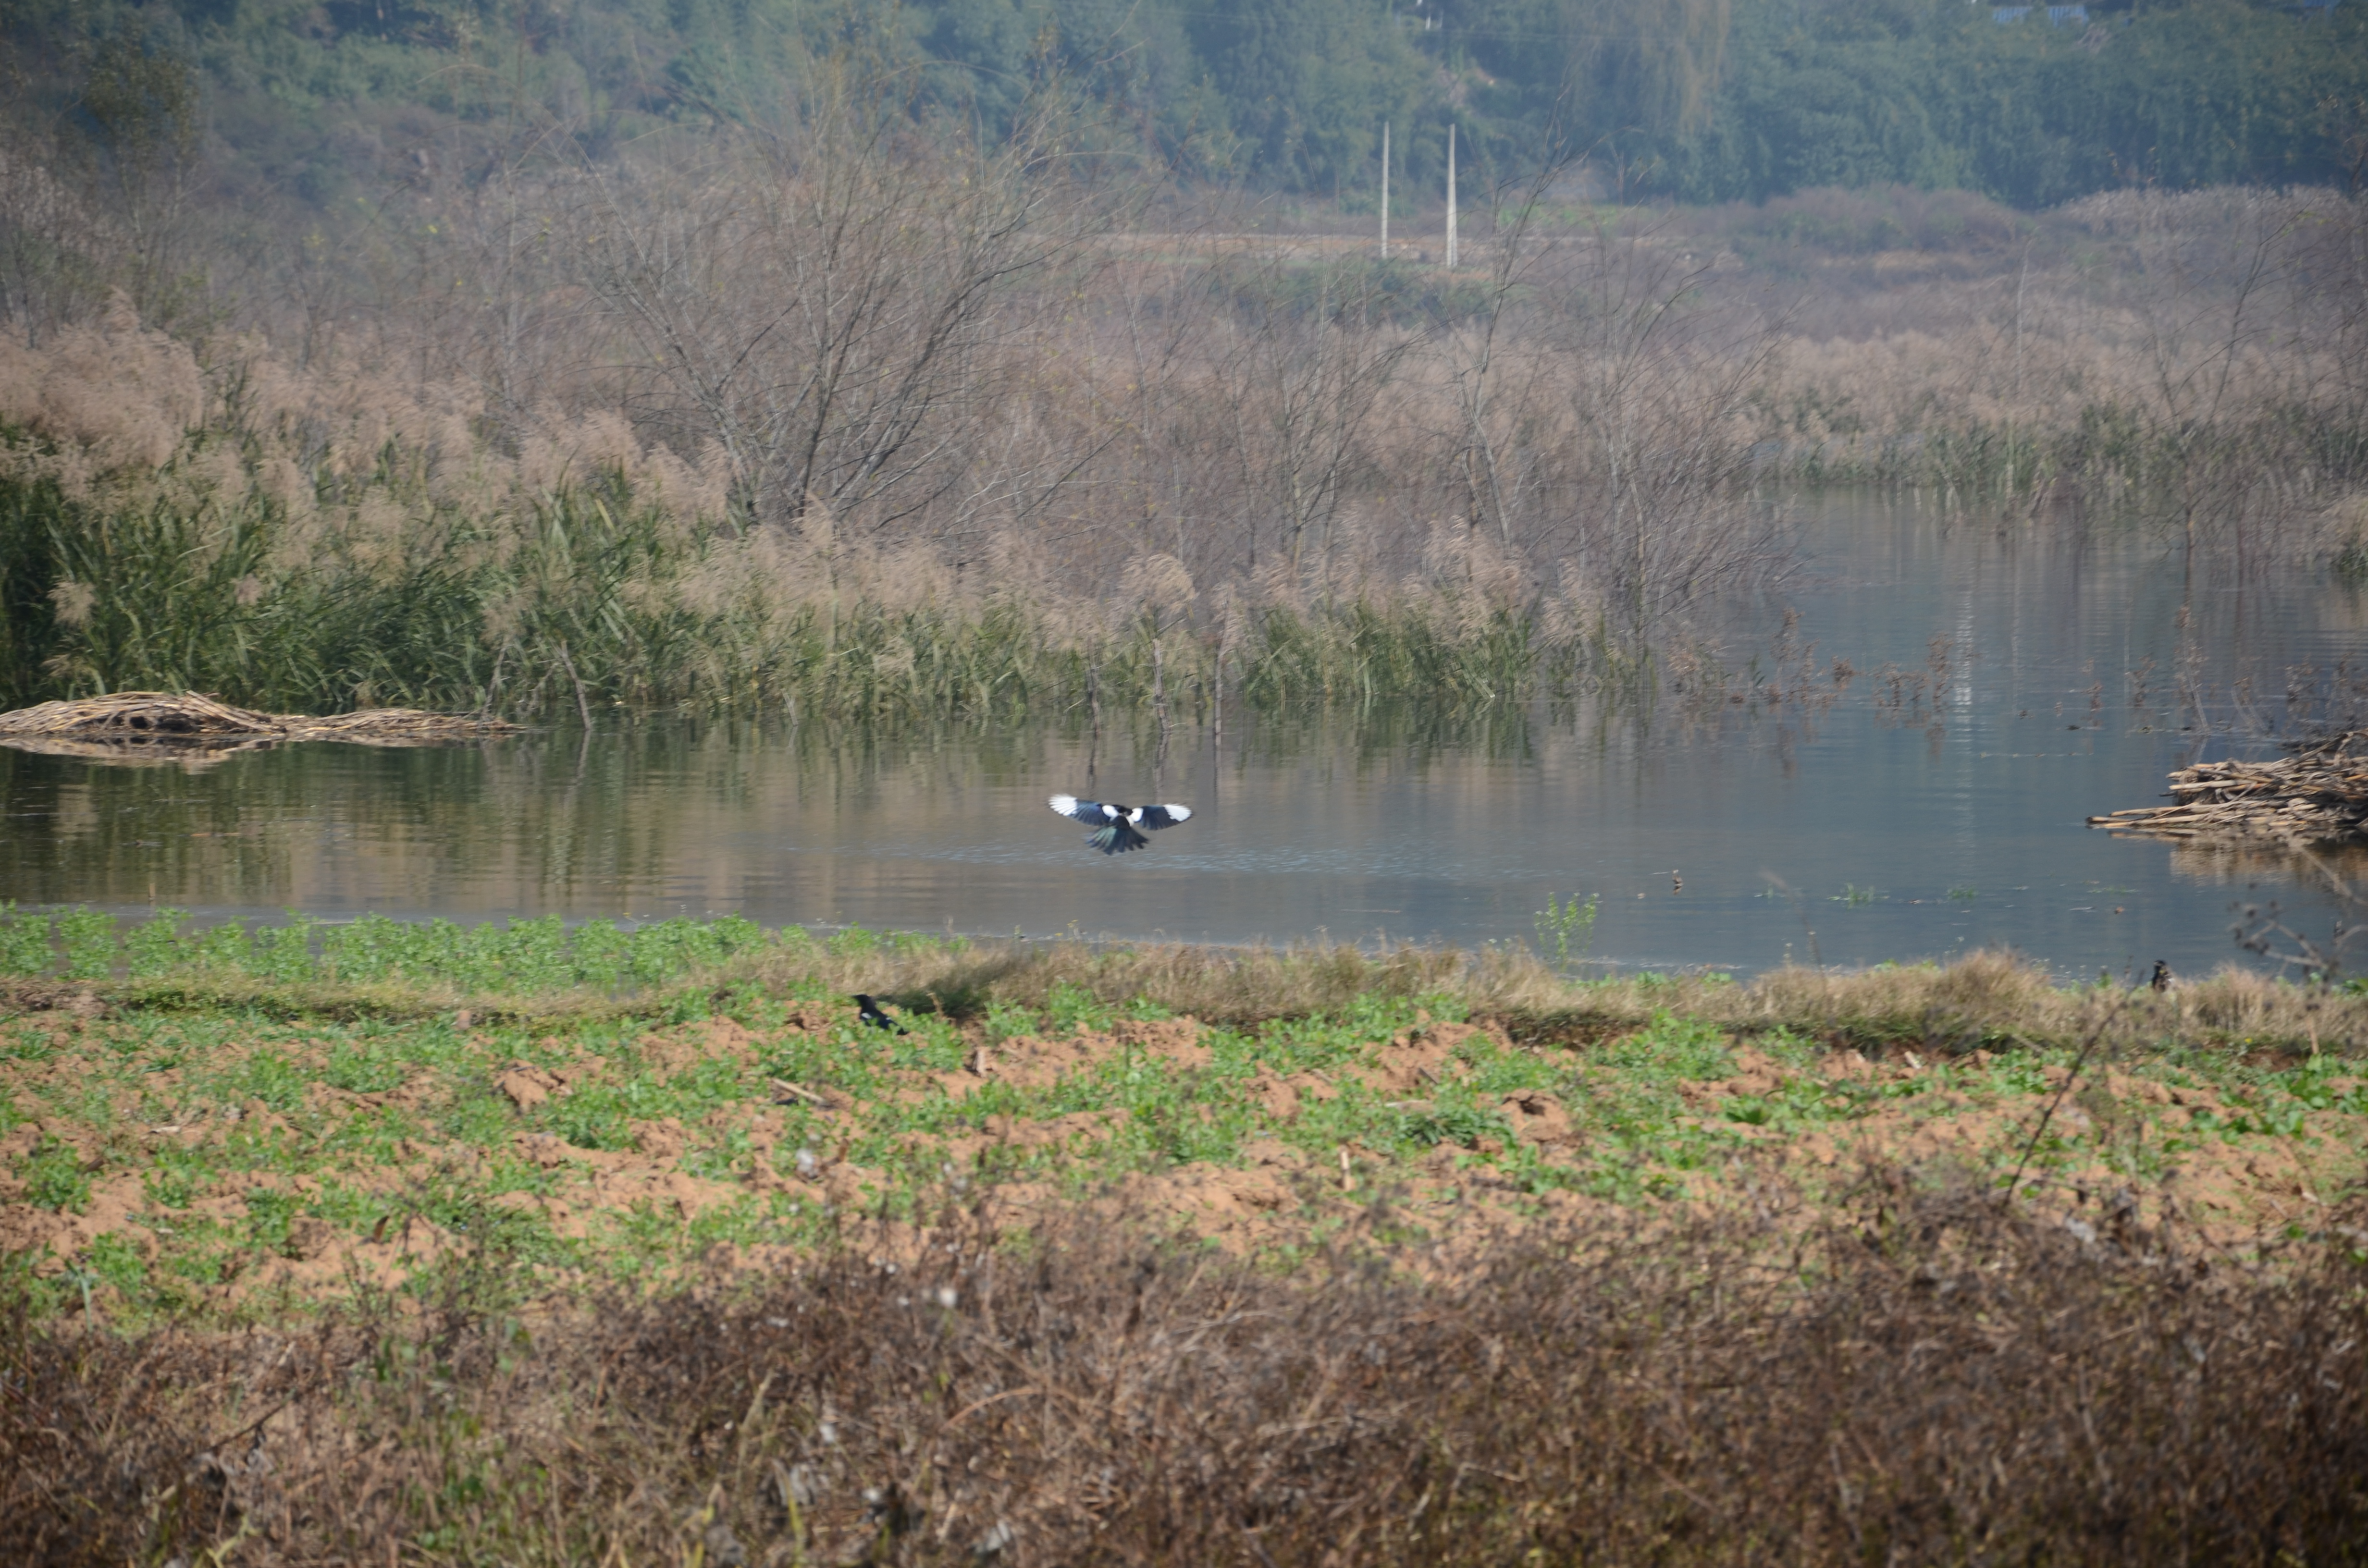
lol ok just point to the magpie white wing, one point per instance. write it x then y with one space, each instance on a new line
1092 812
1162 816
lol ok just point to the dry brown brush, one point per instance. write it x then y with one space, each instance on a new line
865 419
2189 362
1987 999
1923 1377
861 419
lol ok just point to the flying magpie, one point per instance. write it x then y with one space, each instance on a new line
872 1014
1118 825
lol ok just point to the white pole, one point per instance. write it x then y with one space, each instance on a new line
1450 193
1385 190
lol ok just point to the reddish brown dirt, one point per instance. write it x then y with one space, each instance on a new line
2227 1194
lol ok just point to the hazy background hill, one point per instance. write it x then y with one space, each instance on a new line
162 147
1699 100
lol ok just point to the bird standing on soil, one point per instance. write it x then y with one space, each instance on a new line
2163 979
1117 825
870 1013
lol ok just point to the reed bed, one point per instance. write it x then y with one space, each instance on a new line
631 476
597 584
2203 384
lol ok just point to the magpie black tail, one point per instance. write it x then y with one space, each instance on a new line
1117 838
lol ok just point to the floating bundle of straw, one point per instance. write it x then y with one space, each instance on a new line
177 721
394 726
2310 797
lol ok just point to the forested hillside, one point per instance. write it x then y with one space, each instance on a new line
1690 99
1728 99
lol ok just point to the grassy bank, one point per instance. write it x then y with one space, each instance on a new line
552 1245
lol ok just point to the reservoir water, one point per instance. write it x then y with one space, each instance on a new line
2004 683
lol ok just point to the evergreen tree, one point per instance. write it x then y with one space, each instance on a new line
1306 85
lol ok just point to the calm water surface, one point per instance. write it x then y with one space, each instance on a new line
1932 805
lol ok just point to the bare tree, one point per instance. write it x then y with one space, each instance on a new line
1492 449
81 214
53 242
1653 506
1304 375
2210 293
145 107
826 307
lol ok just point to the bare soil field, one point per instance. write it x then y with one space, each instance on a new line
161 1162
1179 1255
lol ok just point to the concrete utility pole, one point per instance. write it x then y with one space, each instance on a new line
1385 190
1450 193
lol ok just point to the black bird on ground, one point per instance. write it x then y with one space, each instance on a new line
871 1015
2163 979
1117 825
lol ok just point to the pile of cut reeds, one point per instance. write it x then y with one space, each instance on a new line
2312 796
98 726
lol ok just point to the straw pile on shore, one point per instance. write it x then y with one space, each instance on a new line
2311 797
183 722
